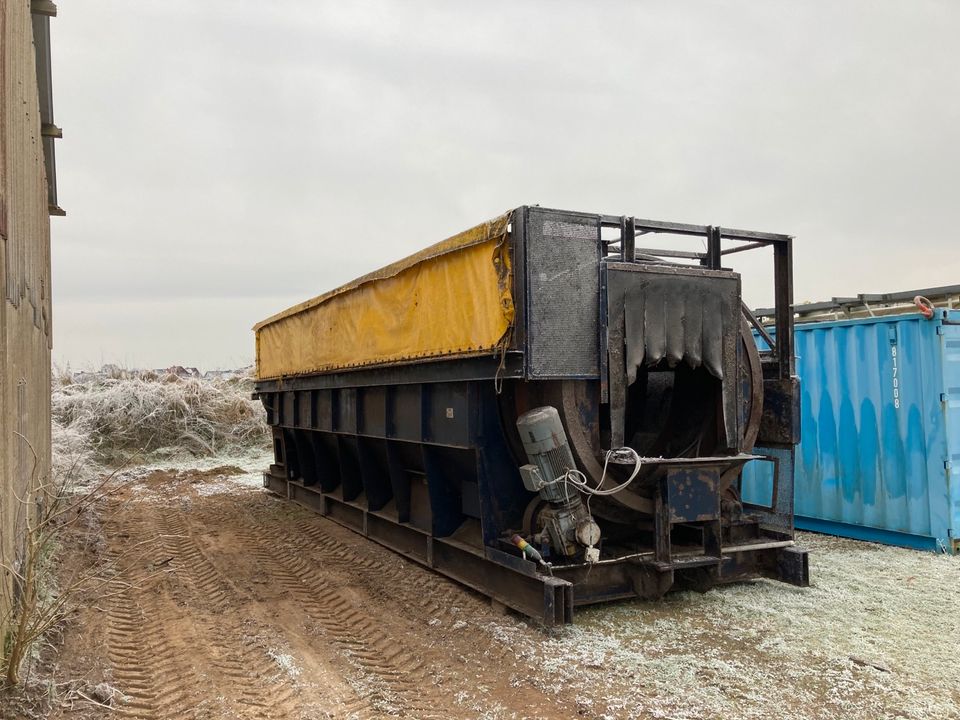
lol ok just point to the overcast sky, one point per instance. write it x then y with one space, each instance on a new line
224 160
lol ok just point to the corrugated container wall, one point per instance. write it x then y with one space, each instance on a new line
879 456
26 199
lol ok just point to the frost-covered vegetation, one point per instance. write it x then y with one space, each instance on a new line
123 416
107 427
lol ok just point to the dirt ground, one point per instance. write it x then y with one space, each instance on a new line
232 603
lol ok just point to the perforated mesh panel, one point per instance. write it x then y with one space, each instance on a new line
563 256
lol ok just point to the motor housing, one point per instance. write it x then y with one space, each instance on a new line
565 519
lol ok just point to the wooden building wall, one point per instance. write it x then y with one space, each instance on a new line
25 313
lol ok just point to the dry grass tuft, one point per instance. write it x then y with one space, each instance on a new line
115 416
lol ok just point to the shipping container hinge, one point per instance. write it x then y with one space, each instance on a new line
947 465
943 397
939 329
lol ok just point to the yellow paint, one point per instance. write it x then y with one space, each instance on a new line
452 298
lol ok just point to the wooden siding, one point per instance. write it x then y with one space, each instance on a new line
25 316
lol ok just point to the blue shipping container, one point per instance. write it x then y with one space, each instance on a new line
879 455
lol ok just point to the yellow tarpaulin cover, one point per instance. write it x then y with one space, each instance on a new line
452 298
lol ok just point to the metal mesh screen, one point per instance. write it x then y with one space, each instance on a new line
563 256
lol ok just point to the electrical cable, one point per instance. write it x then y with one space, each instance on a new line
579 480
576 478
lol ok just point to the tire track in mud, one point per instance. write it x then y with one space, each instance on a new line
142 663
147 665
250 674
197 570
413 586
251 671
425 597
185 658
437 596
398 680
248 580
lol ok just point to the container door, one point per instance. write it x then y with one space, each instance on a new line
871 434
951 404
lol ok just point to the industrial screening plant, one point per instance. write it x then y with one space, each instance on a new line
545 411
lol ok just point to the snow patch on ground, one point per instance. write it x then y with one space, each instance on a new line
238 473
285 662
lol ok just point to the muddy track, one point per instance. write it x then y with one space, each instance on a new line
414 591
178 649
144 665
395 675
247 671
437 597
192 565
156 649
432 604
146 662
240 605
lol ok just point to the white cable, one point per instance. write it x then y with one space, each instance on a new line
579 480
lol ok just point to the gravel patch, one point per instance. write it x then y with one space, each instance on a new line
875 636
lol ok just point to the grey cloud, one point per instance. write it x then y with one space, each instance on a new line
222 159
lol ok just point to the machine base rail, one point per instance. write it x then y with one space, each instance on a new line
550 600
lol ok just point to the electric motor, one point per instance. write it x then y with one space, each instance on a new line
545 443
